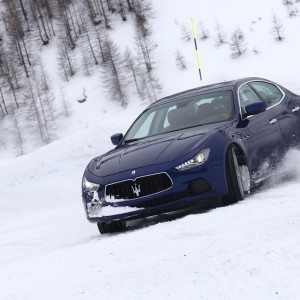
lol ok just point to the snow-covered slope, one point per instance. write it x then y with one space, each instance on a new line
249 250
275 61
49 251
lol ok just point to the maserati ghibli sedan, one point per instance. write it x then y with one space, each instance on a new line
212 142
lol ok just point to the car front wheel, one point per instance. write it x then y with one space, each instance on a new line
238 176
115 226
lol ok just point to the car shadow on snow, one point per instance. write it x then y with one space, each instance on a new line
172 216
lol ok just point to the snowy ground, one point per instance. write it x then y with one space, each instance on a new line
49 251
250 250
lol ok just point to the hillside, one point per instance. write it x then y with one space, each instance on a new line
264 56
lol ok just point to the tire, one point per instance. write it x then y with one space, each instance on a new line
238 177
115 226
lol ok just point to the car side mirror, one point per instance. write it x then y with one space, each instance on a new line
116 138
255 108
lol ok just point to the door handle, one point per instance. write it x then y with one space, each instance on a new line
297 108
273 121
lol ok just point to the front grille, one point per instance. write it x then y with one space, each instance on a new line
140 187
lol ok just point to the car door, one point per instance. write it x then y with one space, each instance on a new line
285 110
264 133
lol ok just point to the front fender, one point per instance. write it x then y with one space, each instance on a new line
219 144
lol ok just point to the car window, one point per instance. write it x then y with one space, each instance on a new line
268 92
247 96
212 107
145 128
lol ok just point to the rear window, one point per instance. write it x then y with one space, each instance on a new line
268 92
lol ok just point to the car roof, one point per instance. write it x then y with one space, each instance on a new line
226 85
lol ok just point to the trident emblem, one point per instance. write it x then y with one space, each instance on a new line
136 189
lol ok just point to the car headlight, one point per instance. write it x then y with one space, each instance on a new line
198 160
89 187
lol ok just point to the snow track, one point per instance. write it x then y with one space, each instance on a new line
48 250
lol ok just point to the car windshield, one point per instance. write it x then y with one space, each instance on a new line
186 113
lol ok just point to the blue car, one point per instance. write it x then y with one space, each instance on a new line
212 142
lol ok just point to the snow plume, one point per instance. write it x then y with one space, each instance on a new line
289 169
291 164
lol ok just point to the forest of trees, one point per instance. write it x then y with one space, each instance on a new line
28 109
80 30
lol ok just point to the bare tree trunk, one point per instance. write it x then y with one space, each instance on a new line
64 103
62 64
100 45
44 119
23 10
129 5
91 10
40 125
20 141
42 21
88 38
21 55
104 15
3 101
122 10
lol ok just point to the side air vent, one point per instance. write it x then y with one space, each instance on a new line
200 186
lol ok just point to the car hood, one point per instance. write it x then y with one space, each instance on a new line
151 151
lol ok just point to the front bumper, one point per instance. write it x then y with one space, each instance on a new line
181 195
138 213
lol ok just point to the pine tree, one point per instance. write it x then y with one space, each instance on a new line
3 103
185 33
238 44
114 78
100 36
70 35
19 139
145 48
220 36
66 62
143 11
151 86
122 10
132 67
204 34
87 42
129 5
277 29
16 32
64 103
291 8
104 13
180 61
110 6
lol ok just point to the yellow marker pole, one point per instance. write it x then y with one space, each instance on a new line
194 35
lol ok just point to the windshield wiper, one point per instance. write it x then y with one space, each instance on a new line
131 141
162 133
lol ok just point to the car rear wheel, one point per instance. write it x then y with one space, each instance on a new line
115 226
238 176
